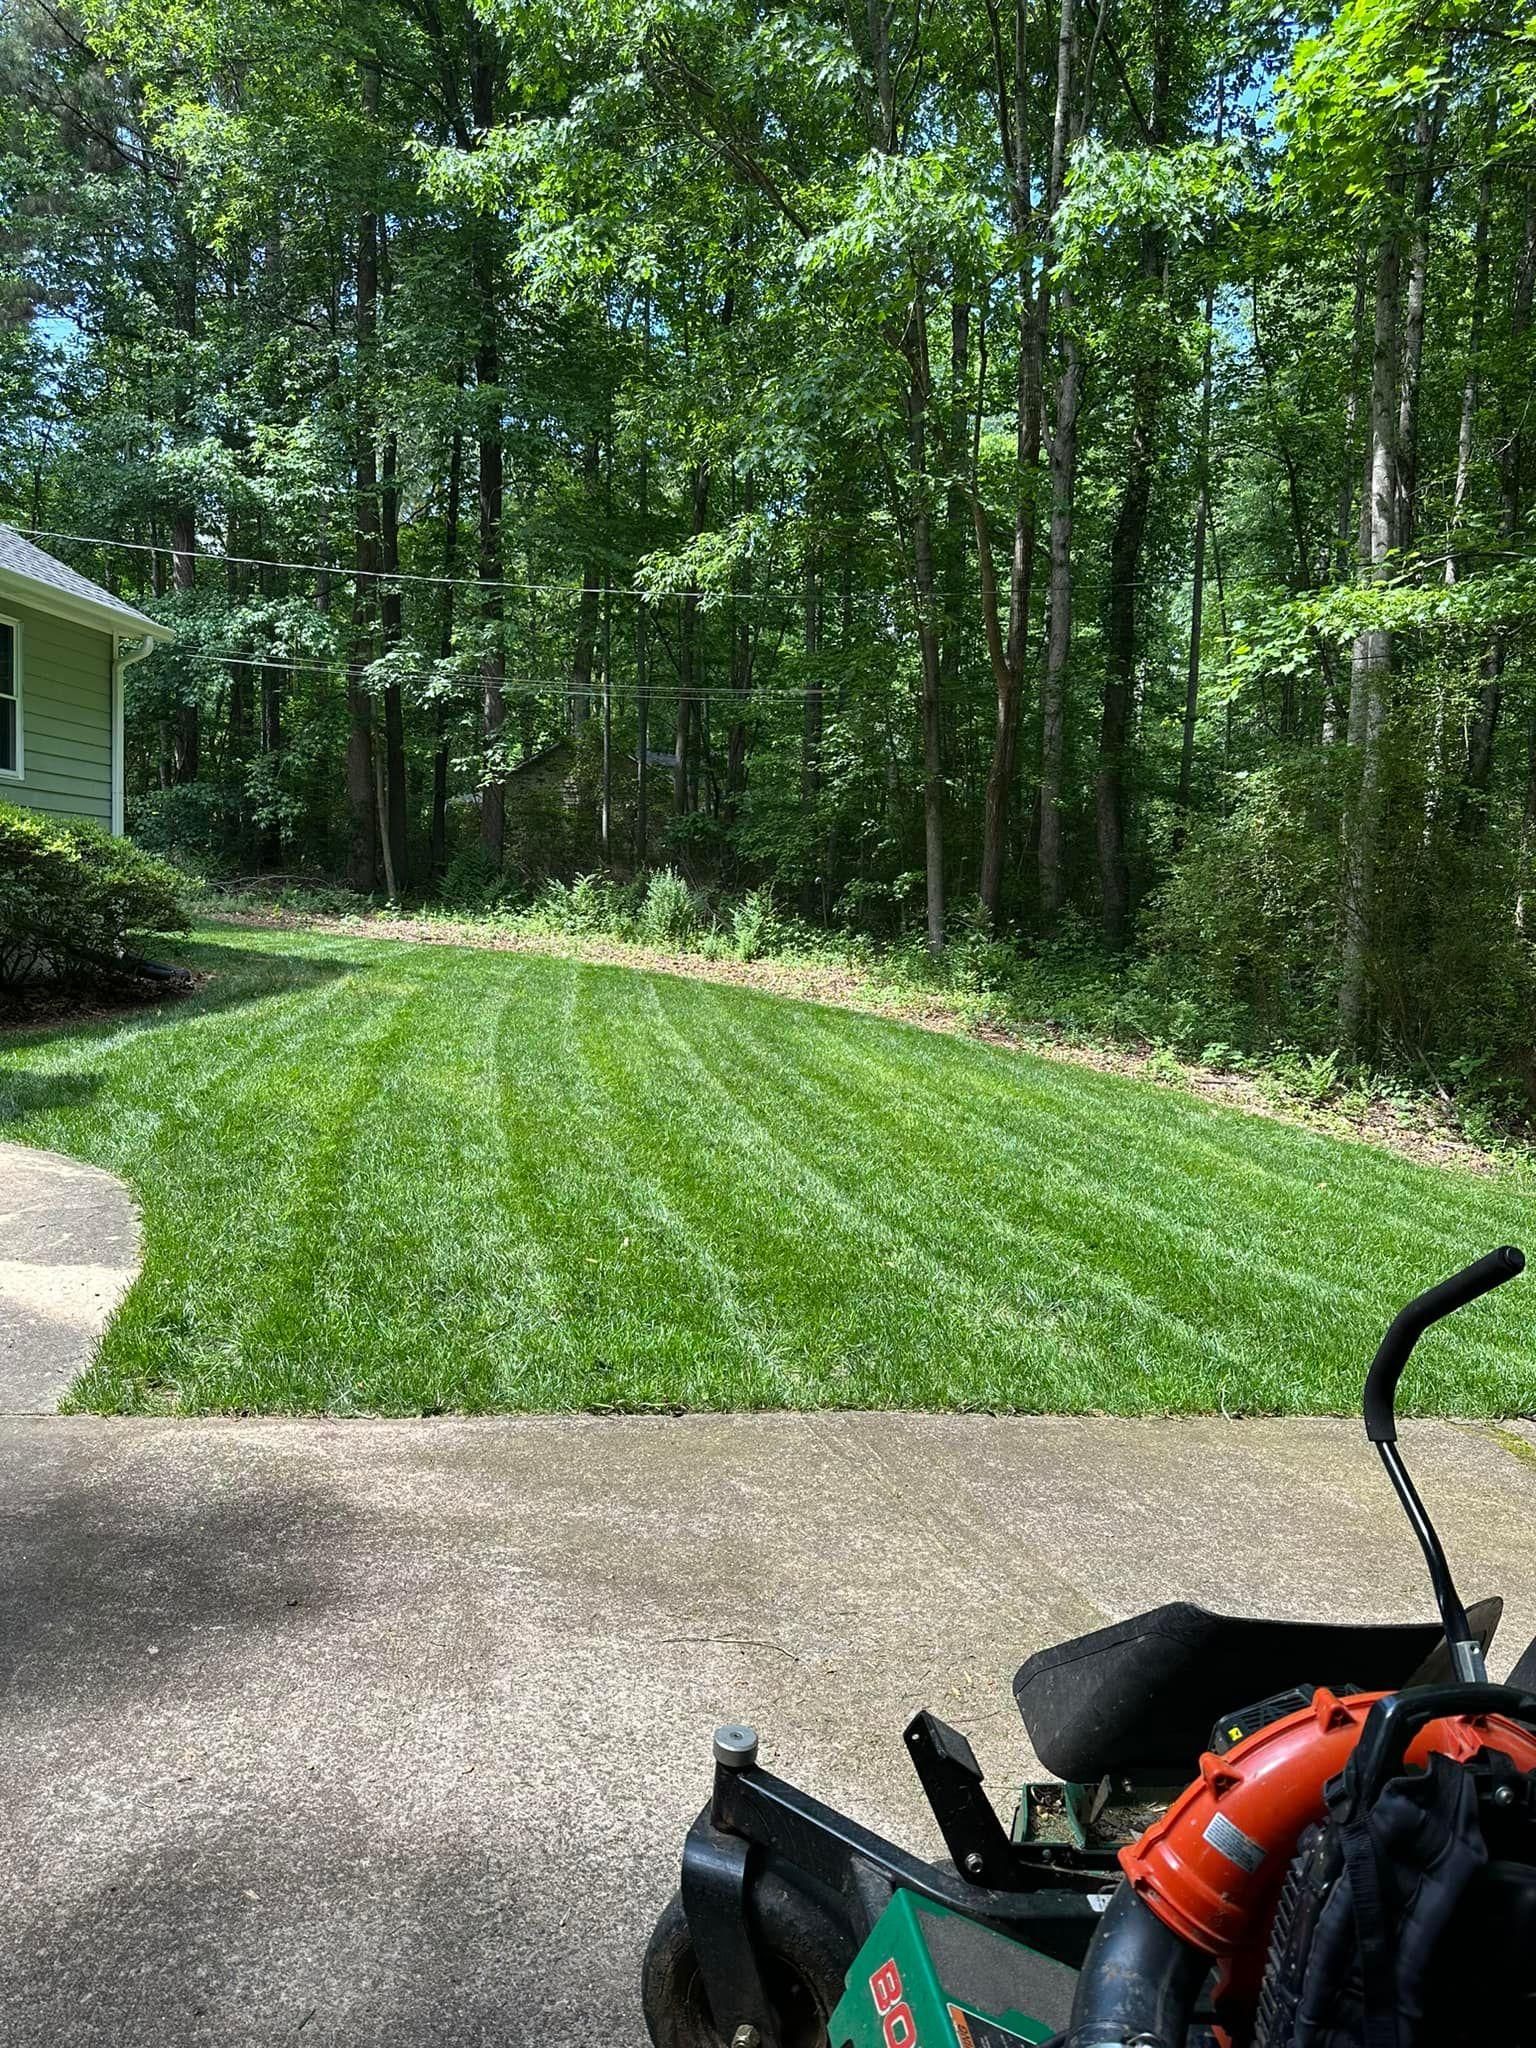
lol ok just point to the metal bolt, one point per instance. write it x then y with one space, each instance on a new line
974 1864
746 2037
736 1748
1503 1795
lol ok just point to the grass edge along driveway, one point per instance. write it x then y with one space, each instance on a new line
379 1177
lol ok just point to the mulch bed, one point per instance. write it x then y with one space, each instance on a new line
52 1005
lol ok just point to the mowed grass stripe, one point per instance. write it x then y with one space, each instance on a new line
951 1209
955 1219
646 1136
395 1178
1239 1287
239 1182
870 1224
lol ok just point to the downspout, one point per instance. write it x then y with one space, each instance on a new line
123 659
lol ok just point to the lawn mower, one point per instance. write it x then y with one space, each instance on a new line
1260 1834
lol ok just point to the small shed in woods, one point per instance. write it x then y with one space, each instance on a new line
64 645
554 803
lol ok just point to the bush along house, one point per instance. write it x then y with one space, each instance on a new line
64 645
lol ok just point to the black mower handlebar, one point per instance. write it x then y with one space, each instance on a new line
1410 1323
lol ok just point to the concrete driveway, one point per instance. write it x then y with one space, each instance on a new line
388 1733
69 1250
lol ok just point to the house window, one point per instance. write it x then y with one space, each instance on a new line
10 698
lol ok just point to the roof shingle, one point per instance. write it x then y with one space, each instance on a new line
19 557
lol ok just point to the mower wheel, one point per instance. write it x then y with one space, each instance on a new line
803 1960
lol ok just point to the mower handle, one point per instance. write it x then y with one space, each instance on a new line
1410 1323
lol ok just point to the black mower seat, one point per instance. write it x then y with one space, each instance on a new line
1141 1698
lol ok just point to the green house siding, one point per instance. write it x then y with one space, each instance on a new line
66 716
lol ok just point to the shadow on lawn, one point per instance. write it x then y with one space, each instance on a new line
236 976
23 1095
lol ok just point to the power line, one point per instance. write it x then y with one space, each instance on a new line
707 598
562 687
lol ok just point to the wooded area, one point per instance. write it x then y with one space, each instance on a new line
1021 469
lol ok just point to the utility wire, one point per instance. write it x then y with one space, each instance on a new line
343 573
359 671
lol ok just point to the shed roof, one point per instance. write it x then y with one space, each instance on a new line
27 573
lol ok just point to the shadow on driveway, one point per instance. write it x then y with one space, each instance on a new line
107 1600
266 1769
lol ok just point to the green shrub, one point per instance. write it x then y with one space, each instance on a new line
754 928
1315 1077
73 898
197 821
589 905
473 881
668 915
1244 925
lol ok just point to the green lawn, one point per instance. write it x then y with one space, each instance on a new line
388 1177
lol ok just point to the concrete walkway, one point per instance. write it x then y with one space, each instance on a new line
388 1733
69 1250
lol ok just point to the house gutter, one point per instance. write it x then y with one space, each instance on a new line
124 655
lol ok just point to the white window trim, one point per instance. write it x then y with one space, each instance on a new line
18 773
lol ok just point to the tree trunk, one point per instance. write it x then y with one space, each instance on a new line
919 392
1058 645
957 515
684 773
1485 719
1008 673
1371 661
580 703
1343 541
1346 502
1063 471
642 734
1120 669
186 735
391 879
585 647
440 759
605 823
813 716
271 727
392 815
362 854
1197 578
1484 722
1202 520
1467 425
493 669
1426 131
186 732
743 648
642 632
1125 557
484 79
